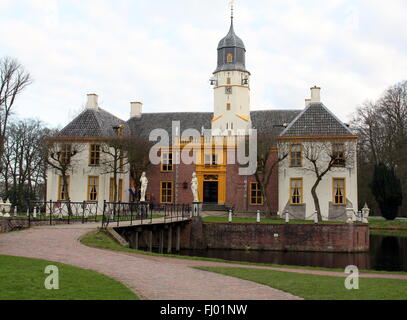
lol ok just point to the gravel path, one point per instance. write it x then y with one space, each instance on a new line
148 277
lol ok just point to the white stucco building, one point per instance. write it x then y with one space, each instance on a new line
90 174
317 144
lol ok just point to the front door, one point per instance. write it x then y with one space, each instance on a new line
210 192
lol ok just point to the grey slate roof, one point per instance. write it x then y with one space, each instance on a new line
92 123
316 120
231 40
143 126
272 121
268 121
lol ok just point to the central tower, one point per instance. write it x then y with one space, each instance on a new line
231 83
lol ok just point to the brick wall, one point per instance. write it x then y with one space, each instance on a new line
237 187
291 237
287 237
8 225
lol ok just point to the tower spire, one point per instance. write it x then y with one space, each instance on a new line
232 4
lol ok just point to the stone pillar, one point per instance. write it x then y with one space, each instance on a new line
169 247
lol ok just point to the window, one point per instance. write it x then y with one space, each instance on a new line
228 107
63 190
338 153
120 130
339 191
94 155
296 191
65 154
228 90
166 162
211 159
119 190
229 58
166 192
296 155
121 161
256 196
93 188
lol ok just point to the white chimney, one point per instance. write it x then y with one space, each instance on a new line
136 109
315 94
307 102
92 101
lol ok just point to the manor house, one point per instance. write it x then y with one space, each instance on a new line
305 139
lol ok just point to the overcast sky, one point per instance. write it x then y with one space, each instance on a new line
163 52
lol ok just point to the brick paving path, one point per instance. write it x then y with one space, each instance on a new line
148 277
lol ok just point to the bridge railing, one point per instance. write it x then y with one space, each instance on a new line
140 213
62 211
174 212
116 212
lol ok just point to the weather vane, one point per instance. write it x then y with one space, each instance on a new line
232 3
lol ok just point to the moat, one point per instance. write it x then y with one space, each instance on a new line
387 253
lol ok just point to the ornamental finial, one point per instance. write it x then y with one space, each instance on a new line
232 3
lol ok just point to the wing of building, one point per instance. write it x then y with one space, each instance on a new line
288 191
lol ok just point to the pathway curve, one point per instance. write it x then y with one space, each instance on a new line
148 277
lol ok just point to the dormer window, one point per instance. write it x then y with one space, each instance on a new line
229 58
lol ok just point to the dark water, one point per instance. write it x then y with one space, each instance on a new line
387 253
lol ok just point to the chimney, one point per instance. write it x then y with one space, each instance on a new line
307 102
315 94
92 101
136 109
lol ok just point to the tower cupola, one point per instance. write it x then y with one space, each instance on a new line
231 52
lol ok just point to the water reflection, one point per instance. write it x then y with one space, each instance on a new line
386 253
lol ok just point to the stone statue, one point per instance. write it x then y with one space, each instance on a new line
7 208
144 184
194 187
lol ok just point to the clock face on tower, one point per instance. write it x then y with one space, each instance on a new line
228 90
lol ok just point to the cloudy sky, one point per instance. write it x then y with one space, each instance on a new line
163 52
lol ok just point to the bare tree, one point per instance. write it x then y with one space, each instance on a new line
122 154
138 156
114 159
13 80
382 130
270 152
322 157
23 162
62 157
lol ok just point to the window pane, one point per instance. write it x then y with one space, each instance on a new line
296 191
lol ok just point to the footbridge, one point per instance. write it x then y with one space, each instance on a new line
144 226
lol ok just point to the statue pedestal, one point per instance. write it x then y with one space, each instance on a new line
144 208
196 209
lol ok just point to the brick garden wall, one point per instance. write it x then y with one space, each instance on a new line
273 237
287 237
8 225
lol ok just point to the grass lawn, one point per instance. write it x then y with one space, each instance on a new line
23 279
313 287
101 240
387 233
375 223
266 221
